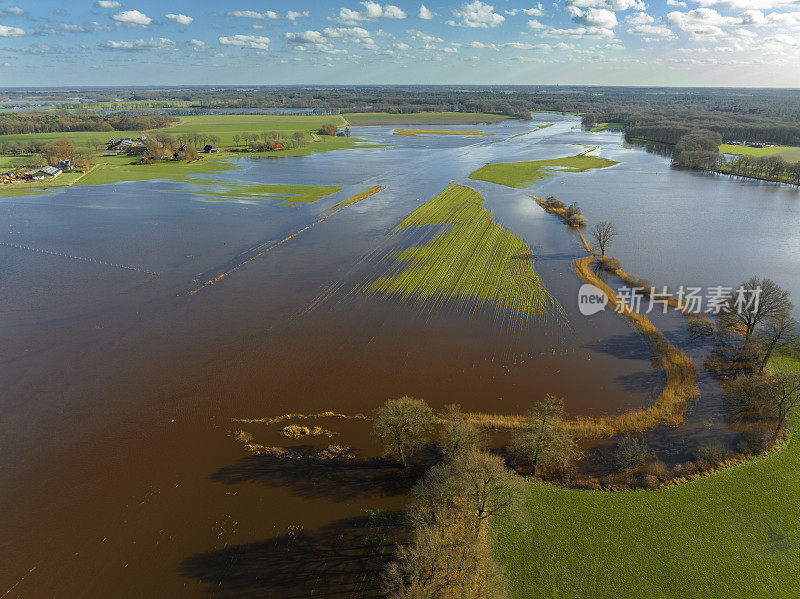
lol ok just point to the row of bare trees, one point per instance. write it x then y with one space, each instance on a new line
770 168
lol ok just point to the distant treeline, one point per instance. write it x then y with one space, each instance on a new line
52 122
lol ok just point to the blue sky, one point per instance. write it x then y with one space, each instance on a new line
615 42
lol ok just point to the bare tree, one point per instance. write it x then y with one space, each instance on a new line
603 233
459 436
403 425
544 443
445 560
762 398
779 332
760 300
476 484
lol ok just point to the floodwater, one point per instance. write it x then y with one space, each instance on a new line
119 471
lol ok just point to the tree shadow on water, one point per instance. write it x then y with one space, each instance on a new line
343 559
335 480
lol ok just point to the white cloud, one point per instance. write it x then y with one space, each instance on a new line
640 18
676 3
750 4
161 43
371 12
476 14
616 5
700 22
292 15
6 31
107 4
652 31
424 13
12 10
254 42
534 24
601 18
179 18
198 44
420 36
402 46
86 27
132 18
346 32
536 11
267 15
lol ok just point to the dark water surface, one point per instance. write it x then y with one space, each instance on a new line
119 472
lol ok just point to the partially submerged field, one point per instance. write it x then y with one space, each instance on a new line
112 169
423 118
466 259
522 174
422 132
290 194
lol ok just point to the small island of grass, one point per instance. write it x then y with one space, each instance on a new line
522 174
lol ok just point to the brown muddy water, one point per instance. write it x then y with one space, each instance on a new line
120 471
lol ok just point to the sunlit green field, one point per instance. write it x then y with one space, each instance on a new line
215 190
788 153
522 174
735 533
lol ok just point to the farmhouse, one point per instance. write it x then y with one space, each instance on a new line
46 172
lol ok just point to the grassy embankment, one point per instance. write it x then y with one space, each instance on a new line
113 169
539 128
735 533
681 373
423 118
788 153
419 132
465 259
523 174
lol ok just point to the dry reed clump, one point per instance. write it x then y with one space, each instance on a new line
298 416
327 454
295 431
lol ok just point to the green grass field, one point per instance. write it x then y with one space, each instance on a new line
423 118
523 174
735 533
788 153
469 261
606 127
418 132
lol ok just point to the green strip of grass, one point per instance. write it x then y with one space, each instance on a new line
416 132
356 198
523 174
468 260
539 128
735 533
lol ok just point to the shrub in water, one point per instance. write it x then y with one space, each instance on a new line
711 452
608 263
630 453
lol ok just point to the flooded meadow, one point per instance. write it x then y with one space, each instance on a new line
154 333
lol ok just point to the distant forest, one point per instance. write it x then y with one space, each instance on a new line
14 123
690 121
